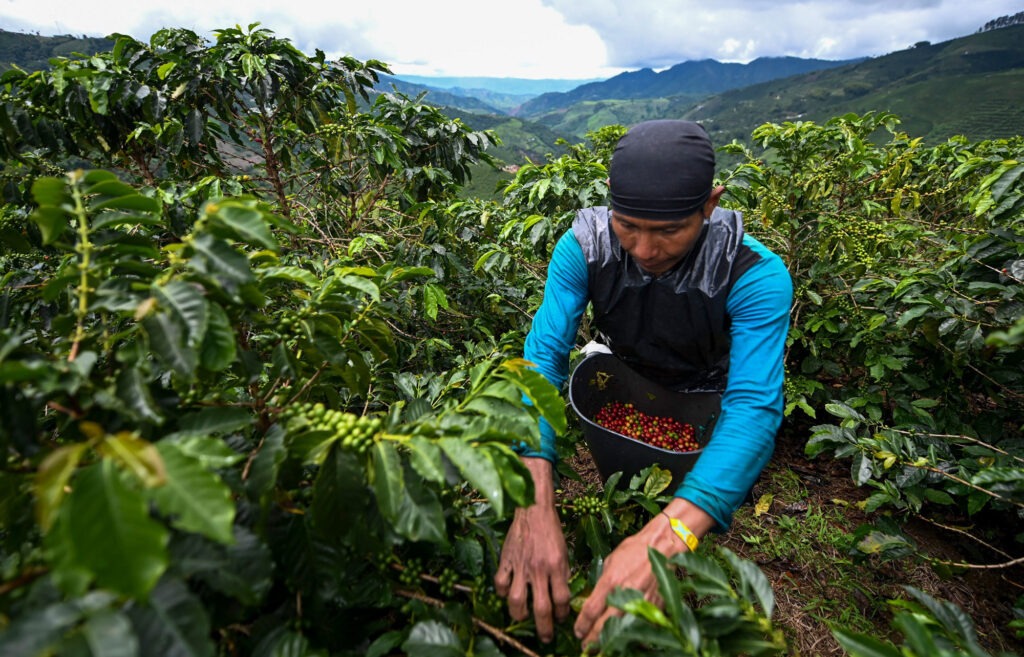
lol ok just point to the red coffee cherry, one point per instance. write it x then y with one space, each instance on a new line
664 432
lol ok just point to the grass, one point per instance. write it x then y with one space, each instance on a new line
802 543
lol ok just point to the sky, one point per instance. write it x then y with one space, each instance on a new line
560 39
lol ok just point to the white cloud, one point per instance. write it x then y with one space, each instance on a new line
538 38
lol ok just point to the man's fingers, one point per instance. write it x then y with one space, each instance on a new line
542 613
591 611
517 595
561 597
503 579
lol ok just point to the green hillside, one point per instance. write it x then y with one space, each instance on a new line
972 86
33 52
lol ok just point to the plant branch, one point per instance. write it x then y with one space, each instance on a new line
486 627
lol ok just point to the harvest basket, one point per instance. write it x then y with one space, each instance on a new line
602 379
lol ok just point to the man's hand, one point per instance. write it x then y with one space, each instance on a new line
628 566
534 560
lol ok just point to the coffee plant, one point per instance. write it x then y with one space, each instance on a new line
260 374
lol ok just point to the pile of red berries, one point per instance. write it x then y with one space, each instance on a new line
664 432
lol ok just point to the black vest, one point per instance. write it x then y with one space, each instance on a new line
673 329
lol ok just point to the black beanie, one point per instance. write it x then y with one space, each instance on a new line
662 170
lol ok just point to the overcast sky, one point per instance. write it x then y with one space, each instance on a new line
571 39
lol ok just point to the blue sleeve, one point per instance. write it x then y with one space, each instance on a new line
552 335
744 436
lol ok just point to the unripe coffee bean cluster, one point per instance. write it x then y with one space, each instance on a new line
664 432
353 432
589 505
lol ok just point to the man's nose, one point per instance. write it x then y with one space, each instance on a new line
645 247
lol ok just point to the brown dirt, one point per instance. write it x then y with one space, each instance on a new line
806 593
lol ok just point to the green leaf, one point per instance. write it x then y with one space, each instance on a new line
861 645
752 580
478 470
35 632
657 481
243 220
110 633
218 350
52 223
425 458
173 623
216 420
168 344
293 274
217 258
668 585
51 192
432 639
420 515
341 501
52 479
361 284
861 468
195 499
267 464
135 455
114 536
186 302
388 479
243 570
133 391
282 642
539 390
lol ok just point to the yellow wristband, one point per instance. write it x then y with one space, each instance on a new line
683 532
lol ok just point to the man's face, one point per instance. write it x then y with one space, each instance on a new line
657 246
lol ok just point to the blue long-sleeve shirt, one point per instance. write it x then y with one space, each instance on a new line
744 436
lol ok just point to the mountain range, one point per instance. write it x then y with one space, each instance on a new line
971 86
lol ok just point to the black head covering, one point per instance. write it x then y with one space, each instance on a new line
662 170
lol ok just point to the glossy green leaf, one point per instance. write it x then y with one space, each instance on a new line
168 342
432 639
267 463
216 420
173 622
861 645
341 501
243 570
668 586
245 222
474 464
135 455
420 514
218 349
425 457
218 258
134 392
194 498
52 223
110 633
539 390
51 480
187 304
293 274
388 479
114 536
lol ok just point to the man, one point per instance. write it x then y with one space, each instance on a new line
683 296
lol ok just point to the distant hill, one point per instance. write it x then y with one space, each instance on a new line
971 86
33 52
693 78
527 87
435 96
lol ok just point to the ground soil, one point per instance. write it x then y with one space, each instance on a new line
987 595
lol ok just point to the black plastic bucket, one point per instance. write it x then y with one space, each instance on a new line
602 379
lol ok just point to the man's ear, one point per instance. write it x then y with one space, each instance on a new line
712 202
